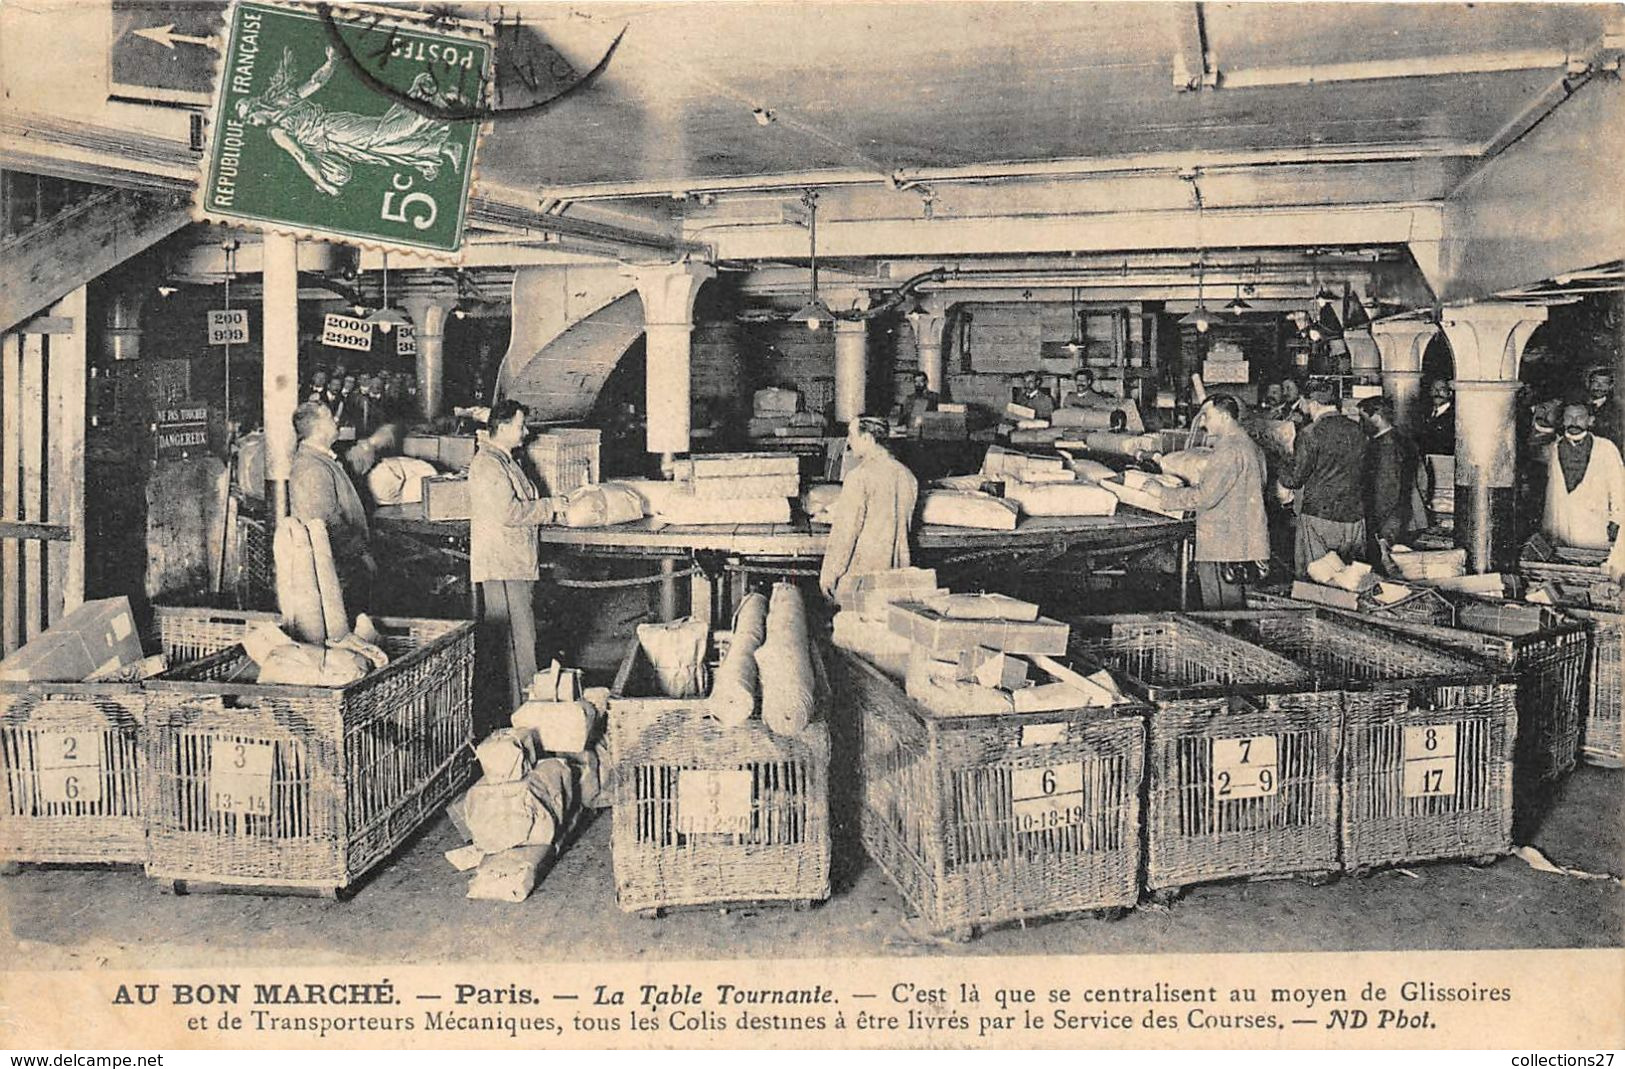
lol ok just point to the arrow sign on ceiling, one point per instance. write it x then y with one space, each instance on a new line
166 36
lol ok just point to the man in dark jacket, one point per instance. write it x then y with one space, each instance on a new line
1391 461
1438 433
320 489
1328 475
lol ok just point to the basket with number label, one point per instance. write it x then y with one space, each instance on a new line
707 814
284 787
1605 698
981 820
1428 737
71 758
1242 752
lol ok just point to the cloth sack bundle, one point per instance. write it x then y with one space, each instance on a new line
507 754
281 660
737 686
509 876
1062 499
602 505
958 508
784 664
676 651
399 480
558 727
307 584
500 816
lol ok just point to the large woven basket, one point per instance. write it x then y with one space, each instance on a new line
1605 698
980 820
1242 762
278 787
72 766
1428 738
766 837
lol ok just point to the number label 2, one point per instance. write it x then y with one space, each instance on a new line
1245 768
1430 761
240 776
70 767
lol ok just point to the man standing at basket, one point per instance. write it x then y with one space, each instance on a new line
1328 475
505 509
1390 476
874 512
1585 485
1232 535
320 489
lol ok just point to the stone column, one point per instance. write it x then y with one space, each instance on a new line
429 328
851 366
280 373
123 330
668 292
929 323
1401 345
1487 341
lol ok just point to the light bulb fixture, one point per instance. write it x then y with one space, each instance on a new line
166 290
1199 317
815 313
460 312
359 309
1324 297
387 318
1238 305
1074 342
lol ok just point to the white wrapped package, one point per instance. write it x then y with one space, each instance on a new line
1356 577
1041 478
655 493
968 483
1091 470
1326 569
1141 480
694 512
1000 461
587 770
509 876
934 685
603 505
955 508
554 782
505 815
873 641
980 606
312 666
457 813
464 858
676 651
1075 499
1187 464
399 480
818 499
507 755
558 727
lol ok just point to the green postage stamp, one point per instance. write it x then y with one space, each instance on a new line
345 123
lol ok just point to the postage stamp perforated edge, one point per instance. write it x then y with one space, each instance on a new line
379 16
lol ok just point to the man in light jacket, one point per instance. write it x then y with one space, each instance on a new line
505 509
873 513
1585 485
1232 535
320 489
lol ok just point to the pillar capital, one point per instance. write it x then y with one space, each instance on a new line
928 322
428 314
1401 343
1487 340
668 291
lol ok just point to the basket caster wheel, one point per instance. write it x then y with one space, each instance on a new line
1484 861
803 905
1112 913
651 914
1319 879
335 894
173 887
10 868
962 933
1165 897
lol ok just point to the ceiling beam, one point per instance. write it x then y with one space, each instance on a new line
1368 70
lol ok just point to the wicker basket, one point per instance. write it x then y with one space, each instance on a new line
1242 765
1605 698
1428 739
305 787
1579 586
256 568
758 827
565 459
1426 606
980 820
72 758
1550 666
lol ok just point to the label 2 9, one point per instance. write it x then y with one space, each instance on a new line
1246 768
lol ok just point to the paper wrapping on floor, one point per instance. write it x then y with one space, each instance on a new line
947 637
818 499
775 401
992 668
334 619
873 641
300 664
676 651
931 683
457 813
736 465
980 607
509 876
558 727
507 754
788 686
399 480
735 689
1187 465
299 598
1001 461
504 815
1068 499
553 780
603 505
734 487
691 511
464 858
956 508
1090 470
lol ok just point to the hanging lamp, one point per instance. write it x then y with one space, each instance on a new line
388 317
1074 342
1198 317
815 313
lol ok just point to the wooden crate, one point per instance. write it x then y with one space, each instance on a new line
277 787
980 820
1580 586
1605 698
565 459
1243 752
72 765
758 827
1428 738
